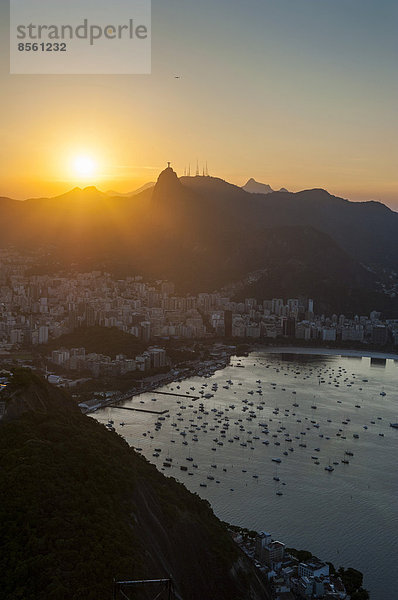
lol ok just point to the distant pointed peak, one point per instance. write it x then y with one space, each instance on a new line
255 187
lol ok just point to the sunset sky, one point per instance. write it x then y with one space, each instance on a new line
295 93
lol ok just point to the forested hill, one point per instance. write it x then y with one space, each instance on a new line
79 507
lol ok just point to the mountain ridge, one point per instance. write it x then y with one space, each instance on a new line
203 233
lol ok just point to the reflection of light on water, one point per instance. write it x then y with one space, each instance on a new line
315 504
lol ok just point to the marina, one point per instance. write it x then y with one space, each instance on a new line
286 437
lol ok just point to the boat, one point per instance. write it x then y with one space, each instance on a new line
277 460
329 468
394 425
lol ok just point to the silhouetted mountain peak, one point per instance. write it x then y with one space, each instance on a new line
167 183
91 189
166 176
79 194
255 187
320 191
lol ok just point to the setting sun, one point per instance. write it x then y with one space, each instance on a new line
84 166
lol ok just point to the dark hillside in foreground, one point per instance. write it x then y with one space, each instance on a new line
79 507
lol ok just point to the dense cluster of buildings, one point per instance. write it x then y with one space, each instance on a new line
291 579
37 308
76 359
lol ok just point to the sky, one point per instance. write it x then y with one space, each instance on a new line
295 93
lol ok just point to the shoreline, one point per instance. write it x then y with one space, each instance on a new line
326 352
205 369
209 367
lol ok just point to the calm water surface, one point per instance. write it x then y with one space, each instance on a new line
348 516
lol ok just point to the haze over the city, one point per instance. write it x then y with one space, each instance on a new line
294 94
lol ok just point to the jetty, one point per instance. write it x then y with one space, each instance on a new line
180 395
144 410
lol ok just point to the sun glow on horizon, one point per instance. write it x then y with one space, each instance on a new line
84 167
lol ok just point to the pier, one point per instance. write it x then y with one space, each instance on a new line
144 410
180 395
